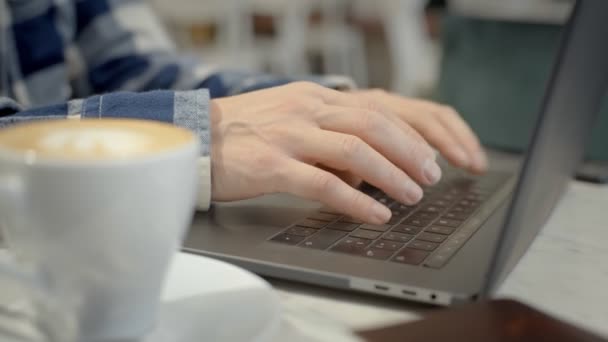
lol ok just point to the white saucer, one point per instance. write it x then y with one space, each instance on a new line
209 300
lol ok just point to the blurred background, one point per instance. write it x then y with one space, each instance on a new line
489 59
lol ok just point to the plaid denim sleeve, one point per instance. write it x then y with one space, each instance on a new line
228 83
188 109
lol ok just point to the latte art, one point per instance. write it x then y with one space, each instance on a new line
100 141
93 139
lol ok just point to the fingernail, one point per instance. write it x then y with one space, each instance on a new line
461 156
412 193
381 214
480 161
431 171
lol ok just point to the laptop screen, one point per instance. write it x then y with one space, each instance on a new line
569 109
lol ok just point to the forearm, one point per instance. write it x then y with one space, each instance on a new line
188 109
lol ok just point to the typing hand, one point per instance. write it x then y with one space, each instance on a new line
440 125
301 137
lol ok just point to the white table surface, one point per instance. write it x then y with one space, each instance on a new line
564 273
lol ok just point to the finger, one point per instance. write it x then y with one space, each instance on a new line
402 149
461 131
442 139
312 183
465 136
352 100
349 153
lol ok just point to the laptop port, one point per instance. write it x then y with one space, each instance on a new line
408 292
381 287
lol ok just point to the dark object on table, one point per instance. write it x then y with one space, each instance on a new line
500 320
593 171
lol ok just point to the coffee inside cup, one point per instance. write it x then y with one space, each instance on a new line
93 139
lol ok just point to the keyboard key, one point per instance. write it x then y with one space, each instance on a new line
349 219
448 223
440 203
351 245
375 253
424 215
400 213
388 245
394 220
441 256
432 209
455 191
440 230
345 226
480 191
430 237
366 234
474 197
397 237
456 216
455 242
324 217
407 229
462 183
301 231
448 197
289 239
416 222
410 256
423 245
404 208
323 239
447 249
376 227
312 223
468 203
382 198
437 260
461 209
368 189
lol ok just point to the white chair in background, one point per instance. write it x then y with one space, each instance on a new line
414 64
234 41
285 52
340 46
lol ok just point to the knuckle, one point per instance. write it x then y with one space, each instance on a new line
447 110
323 182
306 86
351 146
303 104
369 121
420 150
372 105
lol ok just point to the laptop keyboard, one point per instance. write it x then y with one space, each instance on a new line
427 234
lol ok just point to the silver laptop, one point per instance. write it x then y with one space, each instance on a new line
468 232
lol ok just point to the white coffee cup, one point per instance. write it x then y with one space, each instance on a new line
97 208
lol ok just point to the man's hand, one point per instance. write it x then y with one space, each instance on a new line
441 126
308 140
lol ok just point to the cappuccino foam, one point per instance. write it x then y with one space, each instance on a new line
93 139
